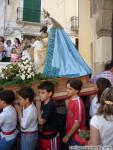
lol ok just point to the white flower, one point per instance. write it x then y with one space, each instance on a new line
21 66
31 63
23 77
29 70
29 76
24 72
2 76
25 62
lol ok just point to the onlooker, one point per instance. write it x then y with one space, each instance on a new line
101 125
8 50
25 52
108 73
2 40
101 85
17 46
14 56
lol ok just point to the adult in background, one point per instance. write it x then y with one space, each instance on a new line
2 40
17 46
8 50
107 73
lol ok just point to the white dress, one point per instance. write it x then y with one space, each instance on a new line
39 56
105 128
94 106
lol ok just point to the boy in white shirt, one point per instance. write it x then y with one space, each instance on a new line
8 120
28 119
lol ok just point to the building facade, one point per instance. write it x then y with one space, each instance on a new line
20 18
85 31
101 39
24 17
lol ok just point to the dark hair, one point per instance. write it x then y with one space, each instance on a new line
8 41
108 65
7 96
106 101
47 85
43 29
102 84
18 41
76 84
26 92
2 39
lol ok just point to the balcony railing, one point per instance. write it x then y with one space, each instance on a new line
74 23
29 15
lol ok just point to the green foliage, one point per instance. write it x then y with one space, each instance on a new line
84 134
21 73
17 81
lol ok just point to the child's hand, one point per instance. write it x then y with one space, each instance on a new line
65 139
38 102
18 108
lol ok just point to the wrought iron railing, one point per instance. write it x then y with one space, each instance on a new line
29 15
74 23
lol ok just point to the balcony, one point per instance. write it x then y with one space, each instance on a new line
103 23
28 16
74 24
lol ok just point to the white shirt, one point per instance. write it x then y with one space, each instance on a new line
94 106
25 54
8 122
105 129
8 51
29 120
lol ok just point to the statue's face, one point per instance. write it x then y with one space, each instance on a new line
44 35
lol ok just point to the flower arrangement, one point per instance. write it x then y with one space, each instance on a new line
10 72
21 72
26 69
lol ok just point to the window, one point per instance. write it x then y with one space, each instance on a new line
31 10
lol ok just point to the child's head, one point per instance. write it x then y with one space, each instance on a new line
46 90
8 42
13 51
7 97
102 84
17 41
106 101
25 96
73 87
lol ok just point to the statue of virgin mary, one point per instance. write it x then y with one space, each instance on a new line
62 58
